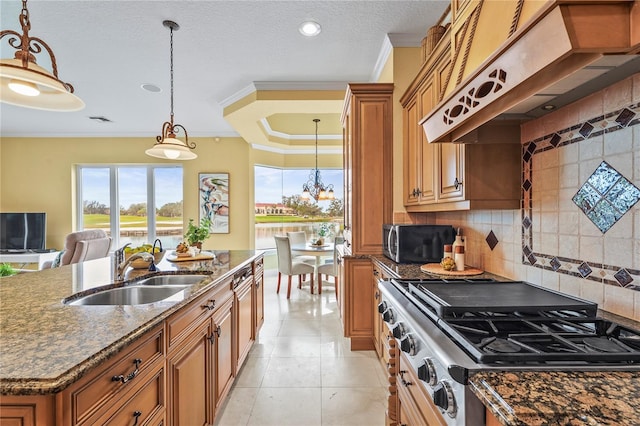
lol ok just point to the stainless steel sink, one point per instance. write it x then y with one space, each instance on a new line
172 280
133 295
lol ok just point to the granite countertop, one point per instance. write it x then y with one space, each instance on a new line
45 345
549 397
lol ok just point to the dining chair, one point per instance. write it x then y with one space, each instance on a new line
300 238
287 266
330 269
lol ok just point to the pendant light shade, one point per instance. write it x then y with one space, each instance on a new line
26 84
167 145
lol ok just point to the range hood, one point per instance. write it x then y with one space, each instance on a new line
569 50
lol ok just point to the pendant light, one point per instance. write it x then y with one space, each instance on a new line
314 188
26 84
167 145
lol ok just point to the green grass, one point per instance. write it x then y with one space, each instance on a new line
102 221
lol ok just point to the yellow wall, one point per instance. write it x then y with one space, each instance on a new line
37 174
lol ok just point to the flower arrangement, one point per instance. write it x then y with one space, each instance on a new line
325 229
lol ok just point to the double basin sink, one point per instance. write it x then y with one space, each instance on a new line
149 290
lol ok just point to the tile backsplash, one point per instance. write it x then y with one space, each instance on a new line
550 241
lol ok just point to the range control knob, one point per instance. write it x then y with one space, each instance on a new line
399 330
382 306
444 399
427 372
388 316
408 345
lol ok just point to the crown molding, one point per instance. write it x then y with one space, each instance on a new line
295 151
271 132
390 41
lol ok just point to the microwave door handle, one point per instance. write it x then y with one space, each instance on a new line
391 250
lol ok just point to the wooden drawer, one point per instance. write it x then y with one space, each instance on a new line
141 406
27 410
103 387
408 382
258 267
182 323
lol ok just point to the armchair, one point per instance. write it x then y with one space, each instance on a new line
83 245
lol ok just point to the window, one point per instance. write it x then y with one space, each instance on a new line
278 208
116 199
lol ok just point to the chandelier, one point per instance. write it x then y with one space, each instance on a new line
314 188
168 146
26 84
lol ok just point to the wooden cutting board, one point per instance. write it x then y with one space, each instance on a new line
200 256
435 268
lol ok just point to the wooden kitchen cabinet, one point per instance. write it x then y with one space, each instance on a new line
357 291
368 165
379 326
32 410
455 176
200 339
416 407
258 296
368 188
106 391
243 301
223 352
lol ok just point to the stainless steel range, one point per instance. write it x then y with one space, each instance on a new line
449 328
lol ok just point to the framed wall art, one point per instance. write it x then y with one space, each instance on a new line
214 200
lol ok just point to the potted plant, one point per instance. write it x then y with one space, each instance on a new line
6 270
324 231
195 235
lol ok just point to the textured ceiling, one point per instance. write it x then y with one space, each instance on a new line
108 49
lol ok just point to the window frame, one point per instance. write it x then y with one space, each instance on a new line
114 219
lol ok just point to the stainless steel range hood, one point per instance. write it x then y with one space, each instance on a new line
561 55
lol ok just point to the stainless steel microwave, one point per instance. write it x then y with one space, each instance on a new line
416 243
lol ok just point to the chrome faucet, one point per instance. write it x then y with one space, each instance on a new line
120 265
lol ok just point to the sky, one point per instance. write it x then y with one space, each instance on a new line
132 189
272 183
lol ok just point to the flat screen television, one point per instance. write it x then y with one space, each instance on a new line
23 231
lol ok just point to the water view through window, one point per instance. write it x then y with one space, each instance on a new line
115 198
279 209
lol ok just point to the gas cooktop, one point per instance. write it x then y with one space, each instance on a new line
517 323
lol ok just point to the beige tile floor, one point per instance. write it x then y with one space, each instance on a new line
301 372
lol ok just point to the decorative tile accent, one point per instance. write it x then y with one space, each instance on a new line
625 117
585 131
617 197
606 196
492 240
623 277
584 269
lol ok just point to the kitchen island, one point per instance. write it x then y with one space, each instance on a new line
47 346
541 397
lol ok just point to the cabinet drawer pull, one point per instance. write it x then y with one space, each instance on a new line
124 379
211 304
137 415
457 184
404 382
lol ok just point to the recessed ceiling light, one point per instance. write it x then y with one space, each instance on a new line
548 107
151 88
310 28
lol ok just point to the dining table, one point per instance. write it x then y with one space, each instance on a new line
319 251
